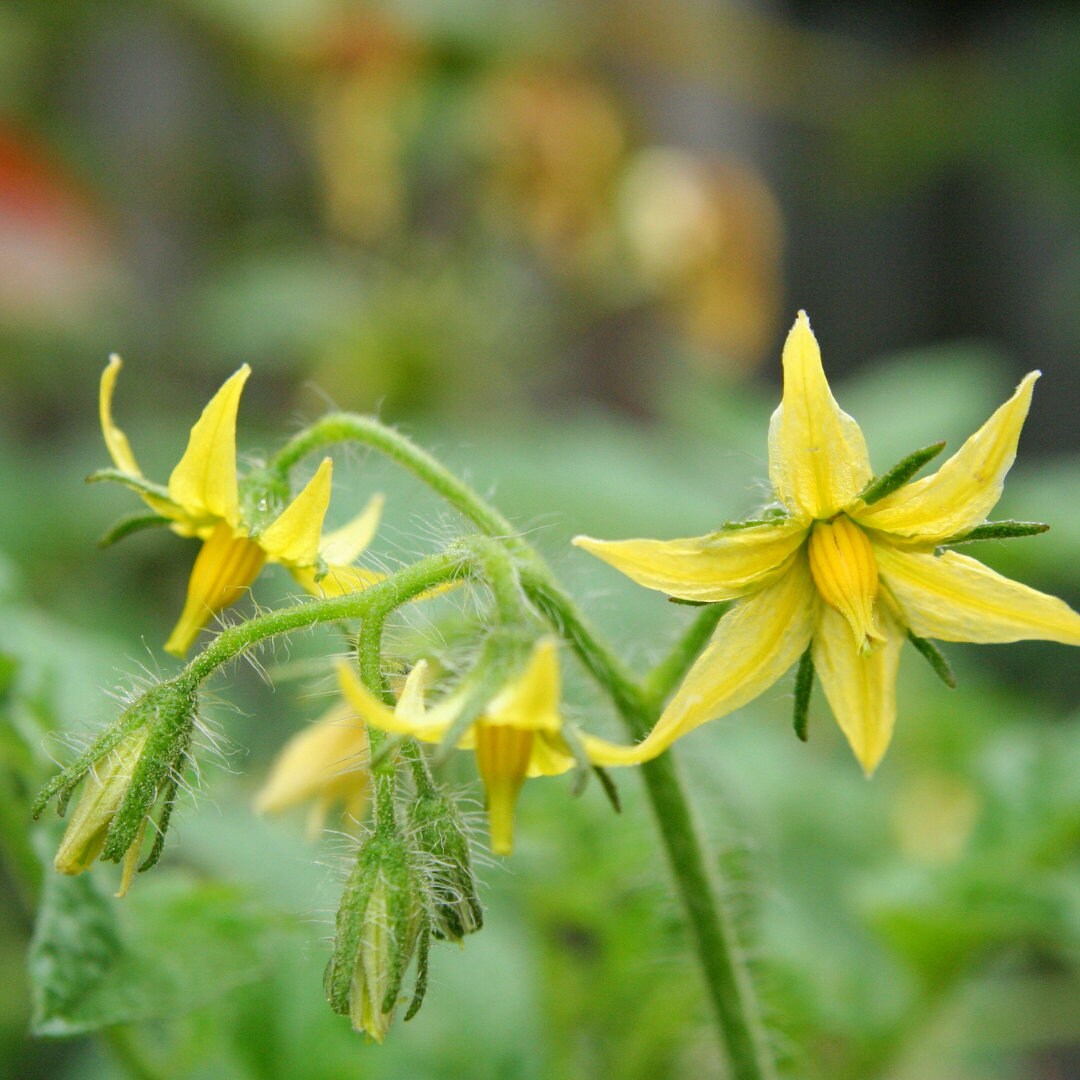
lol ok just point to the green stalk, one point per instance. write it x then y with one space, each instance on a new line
392 592
726 976
712 926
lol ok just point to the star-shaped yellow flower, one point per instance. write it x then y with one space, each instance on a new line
203 499
519 734
839 570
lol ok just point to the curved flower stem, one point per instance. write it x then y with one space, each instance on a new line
348 427
726 976
390 593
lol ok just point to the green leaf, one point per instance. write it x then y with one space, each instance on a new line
169 947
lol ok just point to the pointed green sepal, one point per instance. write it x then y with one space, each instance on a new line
804 685
1000 530
935 658
608 787
691 603
900 473
129 480
420 984
132 524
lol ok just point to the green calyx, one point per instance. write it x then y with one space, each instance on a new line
381 922
136 763
442 841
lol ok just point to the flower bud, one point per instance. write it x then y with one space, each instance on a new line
380 924
440 835
134 766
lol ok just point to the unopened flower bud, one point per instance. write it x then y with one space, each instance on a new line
135 765
381 923
439 833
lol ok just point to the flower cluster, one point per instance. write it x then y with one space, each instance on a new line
834 576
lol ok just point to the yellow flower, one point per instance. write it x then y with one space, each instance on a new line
518 735
841 571
203 499
326 765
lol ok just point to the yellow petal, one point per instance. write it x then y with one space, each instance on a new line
860 686
817 455
720 566
345 545
751 648
204 481
115 440
953 597
530 701
965 489
224 568
409 718
293 539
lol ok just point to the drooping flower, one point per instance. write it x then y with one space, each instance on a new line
518 734
241 530
326 765
847 567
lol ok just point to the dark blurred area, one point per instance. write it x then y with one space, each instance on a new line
434 207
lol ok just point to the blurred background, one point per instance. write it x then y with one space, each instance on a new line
560 243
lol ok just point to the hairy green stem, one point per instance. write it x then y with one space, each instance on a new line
711 923
725 973
392 592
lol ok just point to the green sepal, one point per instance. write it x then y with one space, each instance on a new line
1000 530
607 785
337 981
132 524
403 904
420 985
769 516
900 473
804 685
129 480
62 786
935 658
692 603
582 765
440 836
